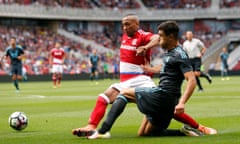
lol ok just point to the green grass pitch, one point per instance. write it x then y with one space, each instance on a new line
53 113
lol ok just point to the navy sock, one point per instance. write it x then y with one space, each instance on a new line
116 109
199 83
15 82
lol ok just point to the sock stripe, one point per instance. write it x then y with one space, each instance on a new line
105 97
123 97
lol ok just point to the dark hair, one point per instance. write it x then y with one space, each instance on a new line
169 27
13 37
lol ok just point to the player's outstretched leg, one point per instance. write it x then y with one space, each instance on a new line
80 133
207 130
187 119
189 131
117 108
96 115
99 110
97 135
207 76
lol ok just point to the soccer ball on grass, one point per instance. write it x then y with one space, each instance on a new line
18 120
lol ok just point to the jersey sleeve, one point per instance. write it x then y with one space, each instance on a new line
6 53
185 66
21 50
184 46
184 63
200 44
147 36
51 52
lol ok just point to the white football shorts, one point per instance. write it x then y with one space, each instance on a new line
56 68
138 81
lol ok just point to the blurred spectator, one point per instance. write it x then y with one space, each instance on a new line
177 4
85 4
229 3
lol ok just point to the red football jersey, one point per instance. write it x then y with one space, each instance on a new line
129 62
58 55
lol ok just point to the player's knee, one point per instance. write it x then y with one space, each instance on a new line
54 77
197 73
14 77
129 93
111 93
19 77
140 133
103 98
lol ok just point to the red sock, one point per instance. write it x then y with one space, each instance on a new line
59 80
186 119
99 110
54 79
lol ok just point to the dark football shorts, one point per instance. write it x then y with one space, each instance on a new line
196 63
156 104
94 69
16 69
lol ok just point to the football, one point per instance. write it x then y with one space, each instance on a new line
18 121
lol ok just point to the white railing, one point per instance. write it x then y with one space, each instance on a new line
230 36
84 41
234 57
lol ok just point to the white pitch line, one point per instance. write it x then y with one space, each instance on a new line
36 96
63 97
95 97
219 97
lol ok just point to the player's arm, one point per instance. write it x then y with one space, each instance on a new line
64 57
2 58
89 61
21 52
190 86
50 59
154 41
5 55
219 59
22 56
150 69
184 47
203 48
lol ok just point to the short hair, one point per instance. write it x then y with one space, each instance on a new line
169 27
13 37
132 15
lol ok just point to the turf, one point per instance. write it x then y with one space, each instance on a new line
53 113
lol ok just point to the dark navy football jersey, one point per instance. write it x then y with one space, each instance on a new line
13 53
175 64
94 60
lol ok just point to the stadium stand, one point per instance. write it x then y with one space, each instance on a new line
177 4
84 4
229 3
37 43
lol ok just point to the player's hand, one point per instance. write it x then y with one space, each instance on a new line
146 68
179 108
141 51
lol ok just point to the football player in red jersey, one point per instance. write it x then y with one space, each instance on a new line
131 73
56 60
134 41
